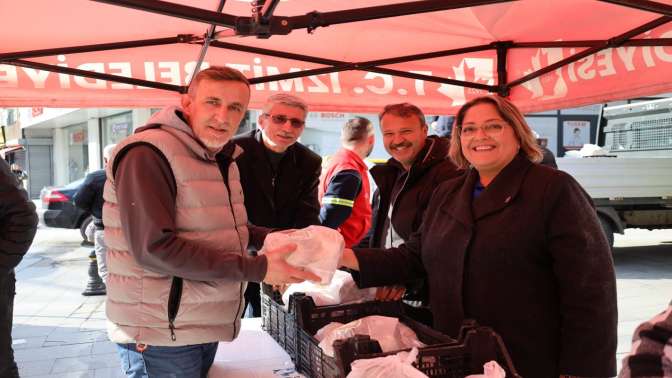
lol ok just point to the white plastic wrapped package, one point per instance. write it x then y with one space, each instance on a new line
341 290
395 366
490 370
318 249
391 334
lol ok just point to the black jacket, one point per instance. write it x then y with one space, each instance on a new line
293 202
431 167
18 220
527 257
548 158
89 197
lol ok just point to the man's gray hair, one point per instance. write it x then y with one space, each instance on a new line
285 99
107 151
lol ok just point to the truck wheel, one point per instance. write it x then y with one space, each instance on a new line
608 231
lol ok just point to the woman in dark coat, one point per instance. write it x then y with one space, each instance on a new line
516 246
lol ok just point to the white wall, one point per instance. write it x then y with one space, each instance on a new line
93 131
60 157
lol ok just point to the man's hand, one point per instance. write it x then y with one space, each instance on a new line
390 293
278 272
349 260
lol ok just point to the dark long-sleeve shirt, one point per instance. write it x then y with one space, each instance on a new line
89 197
146 192
18 220
339 198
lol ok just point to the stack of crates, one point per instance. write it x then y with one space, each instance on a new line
443 357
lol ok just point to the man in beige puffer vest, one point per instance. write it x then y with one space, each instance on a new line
177 234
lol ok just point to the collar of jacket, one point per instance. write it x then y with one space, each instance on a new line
504 188
434 151
354 157
289 152
500 193
229 152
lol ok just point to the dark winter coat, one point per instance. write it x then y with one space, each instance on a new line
89 197
527 258
431 167
289 201
18 220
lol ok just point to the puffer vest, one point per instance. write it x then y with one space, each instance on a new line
358 223
206 214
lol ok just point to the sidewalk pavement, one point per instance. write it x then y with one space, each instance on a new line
57 331
60 333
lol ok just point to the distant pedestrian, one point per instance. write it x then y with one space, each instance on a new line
548 159
18 223
89 197
344 186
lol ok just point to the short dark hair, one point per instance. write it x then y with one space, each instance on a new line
217 73
404 110
356 130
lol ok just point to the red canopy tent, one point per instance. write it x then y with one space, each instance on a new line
338 55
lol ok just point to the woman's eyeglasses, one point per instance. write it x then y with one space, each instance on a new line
490 129
281 119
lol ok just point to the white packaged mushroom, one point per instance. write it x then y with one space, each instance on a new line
318 249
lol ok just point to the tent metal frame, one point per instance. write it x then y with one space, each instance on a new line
263 24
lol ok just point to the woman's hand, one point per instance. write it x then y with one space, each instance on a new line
349 260
390 293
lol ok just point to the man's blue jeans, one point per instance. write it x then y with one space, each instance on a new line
189 361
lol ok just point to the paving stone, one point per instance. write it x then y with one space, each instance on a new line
109 373
35 368
86 363
52 352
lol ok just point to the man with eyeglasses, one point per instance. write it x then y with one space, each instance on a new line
280 176
405 183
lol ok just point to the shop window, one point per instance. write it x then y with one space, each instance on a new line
116 128
78 151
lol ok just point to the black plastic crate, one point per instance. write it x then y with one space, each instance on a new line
278 322
475 347
314 363
444 357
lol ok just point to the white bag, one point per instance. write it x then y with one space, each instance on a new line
318 249
490 370
395 366
341 290
391 334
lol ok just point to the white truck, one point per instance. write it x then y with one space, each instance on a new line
632 185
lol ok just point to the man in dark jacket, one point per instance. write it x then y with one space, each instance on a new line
279 175
90 198
18 223
406 182
548 157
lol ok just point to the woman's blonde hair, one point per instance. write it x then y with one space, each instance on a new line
509 113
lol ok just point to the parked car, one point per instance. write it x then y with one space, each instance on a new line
59 210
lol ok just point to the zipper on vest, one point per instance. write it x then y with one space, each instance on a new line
241 293
174 300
